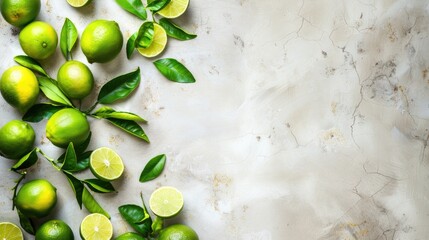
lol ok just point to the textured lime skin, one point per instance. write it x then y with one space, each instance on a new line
36 198
54 230
178 232
16 139
75 79
19 12
38 40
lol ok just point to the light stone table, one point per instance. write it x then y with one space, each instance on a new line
309 119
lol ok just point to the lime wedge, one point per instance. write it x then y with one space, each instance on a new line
174 9
158 43
96 227
9 231
78 3
106 164
166 202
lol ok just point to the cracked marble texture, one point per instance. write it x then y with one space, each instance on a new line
309 119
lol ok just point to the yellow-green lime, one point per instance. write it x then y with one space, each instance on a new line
78 3
130 236
19 87
174 8
75 79
67 125
178 232
96 227
158 44
36 198
54 230
106 164
166 202
38 40
19 12
101 41
16 139
9 231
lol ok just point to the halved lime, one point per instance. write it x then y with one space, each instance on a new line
158 43
174 9
78 3
166 202
9 231
106 164
96 226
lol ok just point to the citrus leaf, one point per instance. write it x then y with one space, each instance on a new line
130 236
41 111
70 159
174 70
31 64
175 31
82 162
82 147
157 5
131 46
50 88
26 223
130 127
91 204
26 161
137 217
99 186
145 35
133 6
157 225
119 87
107 112
68 39
153 168
77 187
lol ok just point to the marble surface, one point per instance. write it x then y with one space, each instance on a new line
309 119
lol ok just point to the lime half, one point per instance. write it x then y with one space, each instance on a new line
174 9
158 43
106 164
166 202
96 227
78 3
9 231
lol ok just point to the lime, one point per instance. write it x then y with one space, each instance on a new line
158 43
130 236
166 202
174 8
9 231
78 3
38 40
106 164
75 79
19 12
178 232
101 41
19 87
53 230
67 125
16 139
96 227
36 198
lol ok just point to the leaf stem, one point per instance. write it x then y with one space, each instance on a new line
89 110
51 160
15 188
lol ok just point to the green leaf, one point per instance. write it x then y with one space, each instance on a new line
31 64
76 185
41 111
174 70
145 35
50 88
157 225
70 159
153 168
26 161
134 6
82 162
107 112
130 127
175 31
91 204
68 39
137 217
130 236
131 46
119 87
82 147
157 5
26 223
99 186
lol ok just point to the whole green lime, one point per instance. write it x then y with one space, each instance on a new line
19 12
38 40
36 198
54 230
16 139
67 125
101 41
75 79
178 232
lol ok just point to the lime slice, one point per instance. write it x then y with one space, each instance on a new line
158 43
96 227
106 164
78 3
9 231
174 9
166 202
